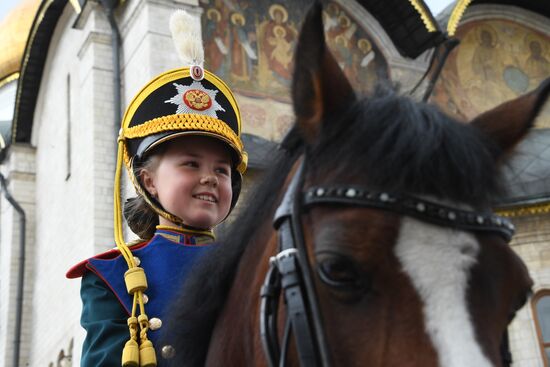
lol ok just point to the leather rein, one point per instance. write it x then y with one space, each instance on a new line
290 273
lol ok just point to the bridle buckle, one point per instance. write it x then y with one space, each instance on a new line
283 255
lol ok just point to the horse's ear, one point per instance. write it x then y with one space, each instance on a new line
509 122
319 87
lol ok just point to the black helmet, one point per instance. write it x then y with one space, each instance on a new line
181 102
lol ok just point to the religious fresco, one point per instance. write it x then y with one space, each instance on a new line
497 60
250 44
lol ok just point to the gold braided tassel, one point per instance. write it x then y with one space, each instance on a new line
130 353
147 356
135 280
133 355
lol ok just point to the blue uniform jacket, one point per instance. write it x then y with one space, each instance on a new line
167 259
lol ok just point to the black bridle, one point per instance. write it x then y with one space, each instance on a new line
290 272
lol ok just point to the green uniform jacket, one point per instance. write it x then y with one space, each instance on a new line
104 320
166 259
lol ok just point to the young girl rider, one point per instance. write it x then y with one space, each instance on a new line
180 142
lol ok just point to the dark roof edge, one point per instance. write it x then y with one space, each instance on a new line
32 67
535 6
405 24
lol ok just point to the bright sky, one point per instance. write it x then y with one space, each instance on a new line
6 6
436 6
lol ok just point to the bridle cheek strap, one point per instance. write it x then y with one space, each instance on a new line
290 272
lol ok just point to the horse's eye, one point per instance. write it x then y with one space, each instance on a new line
340 272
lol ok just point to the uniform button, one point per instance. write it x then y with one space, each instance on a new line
137 260
155 323
168 352
145 298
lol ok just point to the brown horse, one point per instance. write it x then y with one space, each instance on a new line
405 265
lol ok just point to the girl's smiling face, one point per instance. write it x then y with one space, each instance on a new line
192 180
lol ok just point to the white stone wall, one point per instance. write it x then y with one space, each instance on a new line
19 172
532 243
73 205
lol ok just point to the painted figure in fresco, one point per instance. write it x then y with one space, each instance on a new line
282 49
484 60
352 49
537 66
344 27
366 52
330 17
277 37
363 58
343 51
216 41
242 52
484 86
341 39
497 60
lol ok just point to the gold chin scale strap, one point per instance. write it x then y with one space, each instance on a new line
135 353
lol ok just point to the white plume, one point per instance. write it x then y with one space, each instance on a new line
186 33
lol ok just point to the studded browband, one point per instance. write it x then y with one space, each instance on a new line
412 206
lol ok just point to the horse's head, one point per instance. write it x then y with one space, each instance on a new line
409 266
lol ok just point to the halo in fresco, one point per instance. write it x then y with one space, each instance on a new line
276 8
497 60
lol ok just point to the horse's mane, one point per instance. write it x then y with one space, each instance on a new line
392 143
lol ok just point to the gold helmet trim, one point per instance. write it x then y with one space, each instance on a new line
188 124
